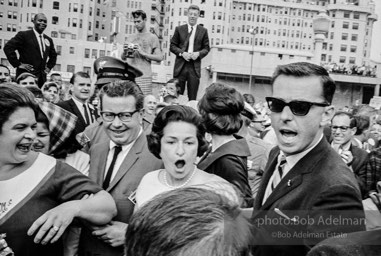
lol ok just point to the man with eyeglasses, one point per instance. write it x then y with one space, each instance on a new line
343 130
119 164
305 183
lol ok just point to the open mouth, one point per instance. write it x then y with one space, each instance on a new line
288 133
180 163
118 131
24 147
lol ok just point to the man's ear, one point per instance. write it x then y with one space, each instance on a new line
327 115
353 131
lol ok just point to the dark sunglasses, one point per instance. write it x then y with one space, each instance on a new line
298 107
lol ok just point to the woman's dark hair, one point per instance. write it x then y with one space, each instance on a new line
13 97
176 113
176 82
220 108
47 86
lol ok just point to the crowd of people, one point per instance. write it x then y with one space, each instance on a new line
107 168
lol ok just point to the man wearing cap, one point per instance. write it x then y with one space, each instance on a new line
108 69
142 48
190 43
35 49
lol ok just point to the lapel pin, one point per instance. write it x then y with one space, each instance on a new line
289 183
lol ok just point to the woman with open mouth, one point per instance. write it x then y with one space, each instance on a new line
177 138
39 196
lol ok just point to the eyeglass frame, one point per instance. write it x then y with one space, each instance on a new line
309 104
119 115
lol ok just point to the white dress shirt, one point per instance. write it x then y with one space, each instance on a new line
42 46
122 155
191 38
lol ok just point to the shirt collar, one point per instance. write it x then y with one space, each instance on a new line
189 26
38 34
294 159
345 146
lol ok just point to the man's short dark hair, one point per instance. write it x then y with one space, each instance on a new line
188 222
123 88
139 13
80 74
194 7
363 123
176 113
306 69
25 75
352 120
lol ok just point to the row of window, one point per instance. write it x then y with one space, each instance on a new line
355 25
11 15
10 27
10 2
345 36
342 59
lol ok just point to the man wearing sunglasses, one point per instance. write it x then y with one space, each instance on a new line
343 130
305 182
119 164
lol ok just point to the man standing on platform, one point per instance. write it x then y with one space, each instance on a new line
190 43
142 48
36 50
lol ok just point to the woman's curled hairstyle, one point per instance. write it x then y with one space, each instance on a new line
176 113
220 108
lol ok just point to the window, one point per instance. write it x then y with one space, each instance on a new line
352 60
355 26
332 24
94 53
56 5
354 37
75 7
345 24
75 22
101 53
87 70
54 34
346 14
331 35
74 36
353 48
71 50
9 15
70 68
343 48
55 20
356 15
15 15
57 67
87 53
344 36
58 49
342 59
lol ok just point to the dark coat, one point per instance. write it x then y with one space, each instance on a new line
70 106
365 243
136 164
178 45
360 159
230 163
26 44
318 186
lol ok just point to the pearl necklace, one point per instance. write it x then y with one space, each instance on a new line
182 185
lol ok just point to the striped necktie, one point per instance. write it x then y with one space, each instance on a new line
278 174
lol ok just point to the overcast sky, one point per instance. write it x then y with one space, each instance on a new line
375 53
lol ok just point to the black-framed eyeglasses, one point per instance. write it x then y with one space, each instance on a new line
123 116
342 128
297 107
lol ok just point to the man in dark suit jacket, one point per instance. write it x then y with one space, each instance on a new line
343 130
118 173
190 43
82 89
305 183
36 50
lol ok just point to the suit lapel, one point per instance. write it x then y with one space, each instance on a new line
99 163
36 44
294 177
76 111
132 156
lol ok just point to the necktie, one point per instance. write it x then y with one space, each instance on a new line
278 174
42 46
106 182
86 114
187 40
